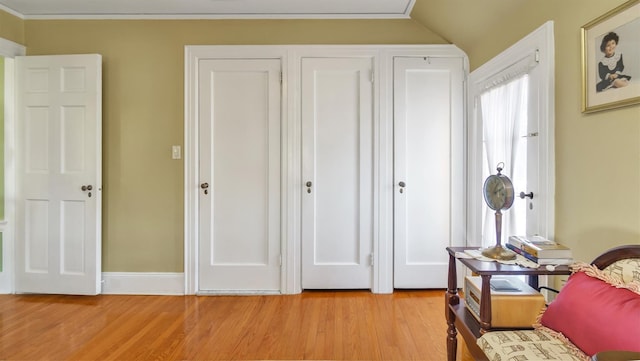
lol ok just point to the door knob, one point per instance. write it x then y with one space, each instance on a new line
308 184
527 195
87 188
205 186
402 185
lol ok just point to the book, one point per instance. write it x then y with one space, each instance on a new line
539 261
540 247
502 285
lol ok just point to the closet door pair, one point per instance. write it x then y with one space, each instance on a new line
339 164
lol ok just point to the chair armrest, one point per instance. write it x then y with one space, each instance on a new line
548 289
616 356
553 290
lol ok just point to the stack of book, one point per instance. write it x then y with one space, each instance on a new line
540 250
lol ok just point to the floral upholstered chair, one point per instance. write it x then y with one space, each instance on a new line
597 310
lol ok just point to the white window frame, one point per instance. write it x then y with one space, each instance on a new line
542 91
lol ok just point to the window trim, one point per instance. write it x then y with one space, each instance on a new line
542 85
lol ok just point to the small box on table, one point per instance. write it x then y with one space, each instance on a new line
514 304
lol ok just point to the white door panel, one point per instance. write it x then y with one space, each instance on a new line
337 157
58 235
427 129
239 248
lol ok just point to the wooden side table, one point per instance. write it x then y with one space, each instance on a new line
459 319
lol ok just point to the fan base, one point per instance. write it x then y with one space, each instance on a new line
498 252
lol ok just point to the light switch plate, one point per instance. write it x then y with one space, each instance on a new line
176 152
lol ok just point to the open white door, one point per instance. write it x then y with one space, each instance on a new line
59 174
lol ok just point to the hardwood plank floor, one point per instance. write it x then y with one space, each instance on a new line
316 325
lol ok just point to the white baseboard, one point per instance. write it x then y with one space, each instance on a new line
142 283
6 286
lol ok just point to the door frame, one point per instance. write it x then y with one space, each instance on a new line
9 50
193 55
386 178
291 181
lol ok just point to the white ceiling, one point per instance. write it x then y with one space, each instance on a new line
206 9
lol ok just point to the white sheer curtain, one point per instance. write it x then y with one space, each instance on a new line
503 111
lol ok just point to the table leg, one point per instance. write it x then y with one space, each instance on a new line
485 304
451 298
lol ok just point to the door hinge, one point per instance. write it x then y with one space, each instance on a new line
280 78
529 135
537 55
372 76
371 259
280 260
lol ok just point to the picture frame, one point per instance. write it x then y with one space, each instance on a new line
610 47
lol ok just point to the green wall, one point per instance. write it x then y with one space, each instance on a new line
11 27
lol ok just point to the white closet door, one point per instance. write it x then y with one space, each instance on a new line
337 173
59 174
428 168
239 164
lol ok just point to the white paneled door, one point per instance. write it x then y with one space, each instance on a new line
59 142
337 173
428 168
239 164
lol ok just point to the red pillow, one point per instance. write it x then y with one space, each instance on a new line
595 315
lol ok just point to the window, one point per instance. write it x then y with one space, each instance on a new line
503 112
511 121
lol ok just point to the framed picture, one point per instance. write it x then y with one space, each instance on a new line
611 59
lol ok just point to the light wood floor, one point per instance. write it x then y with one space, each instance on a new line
349 325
